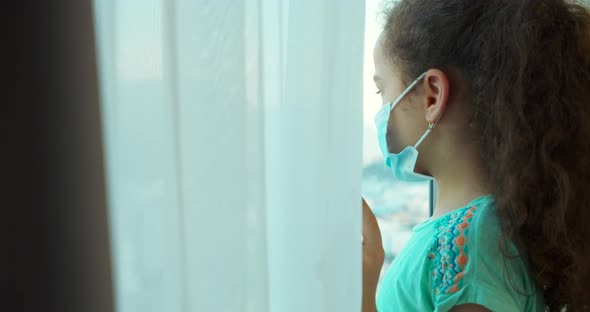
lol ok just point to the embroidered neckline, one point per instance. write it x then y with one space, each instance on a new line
475 202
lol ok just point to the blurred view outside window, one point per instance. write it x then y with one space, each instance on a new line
397 205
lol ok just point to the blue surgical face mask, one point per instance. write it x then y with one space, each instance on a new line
402 164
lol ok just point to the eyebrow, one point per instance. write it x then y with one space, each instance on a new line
375 78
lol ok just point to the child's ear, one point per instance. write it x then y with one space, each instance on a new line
436 88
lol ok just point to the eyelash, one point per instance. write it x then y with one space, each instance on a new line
378 92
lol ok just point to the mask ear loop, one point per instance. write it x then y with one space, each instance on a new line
406 91
401 96
430 127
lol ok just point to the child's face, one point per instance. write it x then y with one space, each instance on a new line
406 122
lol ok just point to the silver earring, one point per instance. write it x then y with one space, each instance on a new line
432 124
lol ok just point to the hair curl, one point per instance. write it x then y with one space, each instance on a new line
527 63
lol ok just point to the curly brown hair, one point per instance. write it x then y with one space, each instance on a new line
527 63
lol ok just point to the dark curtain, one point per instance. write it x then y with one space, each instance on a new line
55 250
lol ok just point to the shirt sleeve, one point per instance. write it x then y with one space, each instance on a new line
468 267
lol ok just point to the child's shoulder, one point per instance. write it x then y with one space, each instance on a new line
460 239
468 265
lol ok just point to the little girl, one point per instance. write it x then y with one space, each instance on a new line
492 99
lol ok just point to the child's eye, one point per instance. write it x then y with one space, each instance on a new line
378 92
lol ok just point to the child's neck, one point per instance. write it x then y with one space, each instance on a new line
457 192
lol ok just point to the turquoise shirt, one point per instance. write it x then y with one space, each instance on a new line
455 259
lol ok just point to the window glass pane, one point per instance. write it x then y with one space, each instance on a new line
397 205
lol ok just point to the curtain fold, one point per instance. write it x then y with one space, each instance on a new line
233 142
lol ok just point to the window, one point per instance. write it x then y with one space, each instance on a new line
397 205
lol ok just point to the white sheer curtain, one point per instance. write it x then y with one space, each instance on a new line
233 151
